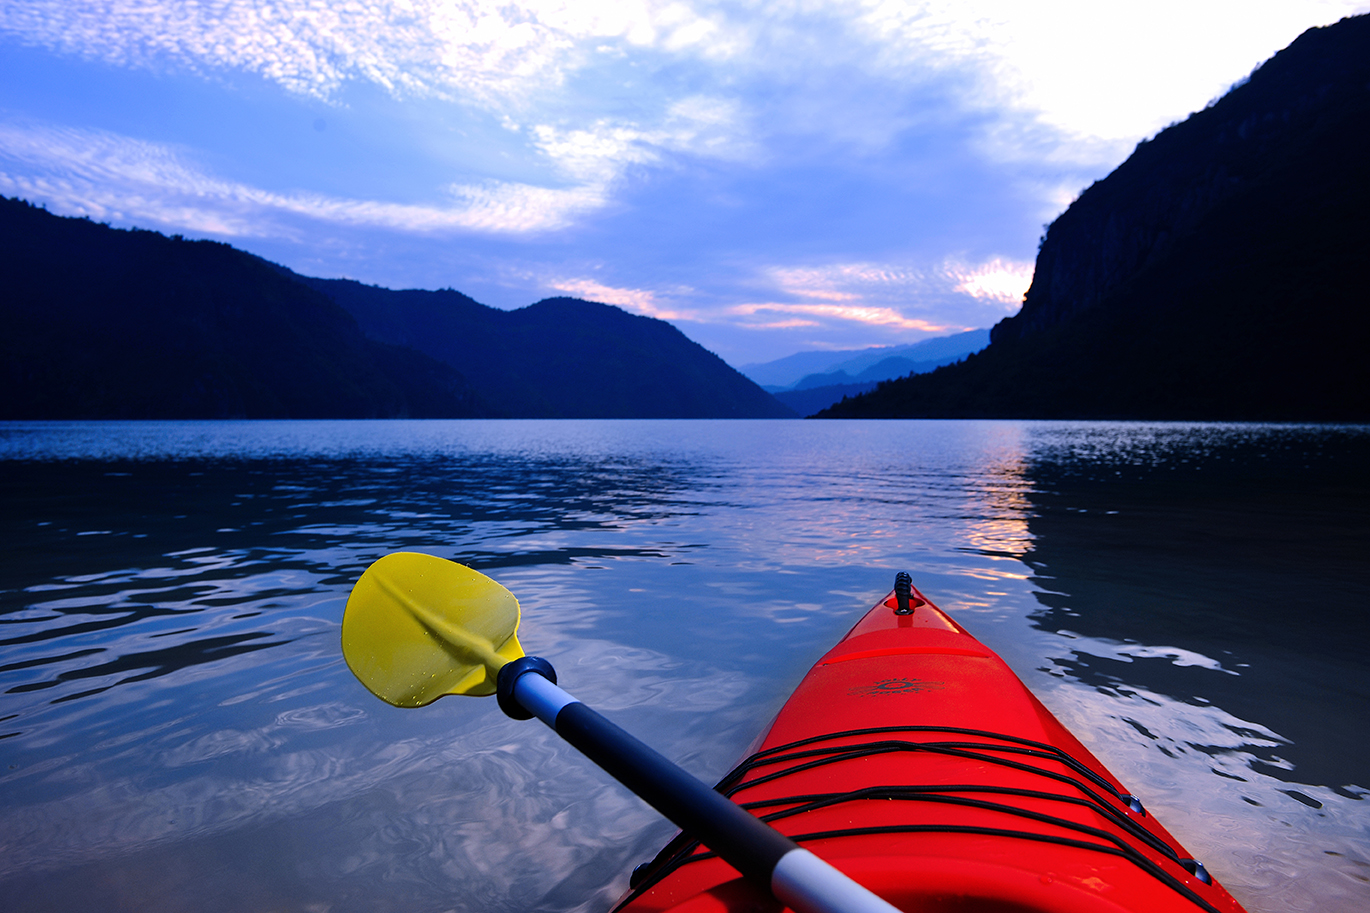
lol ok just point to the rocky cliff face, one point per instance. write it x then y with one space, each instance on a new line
1217 274
1134 218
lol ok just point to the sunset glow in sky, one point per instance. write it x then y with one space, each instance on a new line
769 176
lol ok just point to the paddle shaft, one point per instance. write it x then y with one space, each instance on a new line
793 875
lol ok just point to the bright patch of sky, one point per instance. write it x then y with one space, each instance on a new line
769 176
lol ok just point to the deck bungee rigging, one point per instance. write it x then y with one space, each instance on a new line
684 850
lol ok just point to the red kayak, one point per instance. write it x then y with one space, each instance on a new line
914 760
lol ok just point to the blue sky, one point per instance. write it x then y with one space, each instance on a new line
769 176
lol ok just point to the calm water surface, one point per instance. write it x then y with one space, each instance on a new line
178 730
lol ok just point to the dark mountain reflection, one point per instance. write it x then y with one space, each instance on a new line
1249 549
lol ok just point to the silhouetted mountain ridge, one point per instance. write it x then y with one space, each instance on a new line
1216 274
887 369
816 392
112 323
109 323
788 372
560 357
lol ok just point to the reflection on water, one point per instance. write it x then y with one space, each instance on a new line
178 729
1209 586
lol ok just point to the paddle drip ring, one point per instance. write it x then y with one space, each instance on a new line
510 673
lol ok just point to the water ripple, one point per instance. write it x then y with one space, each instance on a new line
178 729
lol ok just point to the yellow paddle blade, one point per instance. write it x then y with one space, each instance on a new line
418 627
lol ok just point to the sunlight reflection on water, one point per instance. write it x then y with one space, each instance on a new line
179 729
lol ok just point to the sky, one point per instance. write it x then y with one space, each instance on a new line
769 176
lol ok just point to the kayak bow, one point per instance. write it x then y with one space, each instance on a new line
911 769
914 760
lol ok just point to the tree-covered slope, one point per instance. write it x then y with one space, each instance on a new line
561 357
106 323
109 323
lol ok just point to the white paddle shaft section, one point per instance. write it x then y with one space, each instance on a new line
804 882
541 698
800 880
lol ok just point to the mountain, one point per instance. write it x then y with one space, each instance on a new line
856 371
816 392
106 323
110 323
918 357
561 357
791 371
812 400
885 369
1215 274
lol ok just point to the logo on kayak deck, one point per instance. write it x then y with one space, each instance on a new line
897 686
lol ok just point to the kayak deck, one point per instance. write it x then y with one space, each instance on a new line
913 759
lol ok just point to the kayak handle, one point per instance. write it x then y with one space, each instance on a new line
903 585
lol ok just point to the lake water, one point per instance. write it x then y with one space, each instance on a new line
178 730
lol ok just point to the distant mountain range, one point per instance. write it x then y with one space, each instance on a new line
810 381
789 372
107 323
1218 273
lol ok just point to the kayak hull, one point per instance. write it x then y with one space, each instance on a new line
914 760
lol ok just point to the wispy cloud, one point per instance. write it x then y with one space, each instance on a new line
863 314
706 141
641 301
598 153
501 53
477 49
844 281
850 303
108 176
1000 280
885 296
1104 71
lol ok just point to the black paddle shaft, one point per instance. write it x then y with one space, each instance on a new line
750 846
741 839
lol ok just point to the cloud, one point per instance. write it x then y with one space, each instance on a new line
308 47
864 314
749 121
849 307
1097 70
600 152
999 280
474 49
108 176
641 301
690 75
843 281
792 323
1108 71
878 296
